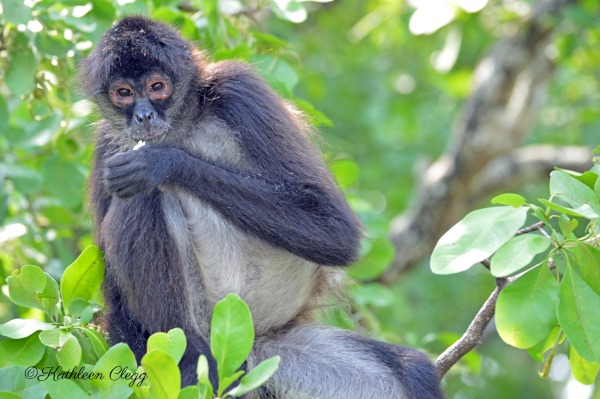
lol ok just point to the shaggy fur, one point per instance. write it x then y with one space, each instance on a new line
232 197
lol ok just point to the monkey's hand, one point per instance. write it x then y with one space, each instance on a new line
139 171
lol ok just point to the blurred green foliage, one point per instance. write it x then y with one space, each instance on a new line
383 80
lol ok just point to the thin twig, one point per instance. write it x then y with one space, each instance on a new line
472 337
529 229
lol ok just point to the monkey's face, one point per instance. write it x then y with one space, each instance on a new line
143 102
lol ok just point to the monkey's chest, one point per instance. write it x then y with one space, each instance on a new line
276 284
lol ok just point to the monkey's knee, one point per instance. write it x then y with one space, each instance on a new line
410 367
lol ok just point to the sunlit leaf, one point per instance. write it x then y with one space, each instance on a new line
256 377
477 236
12 379
21 352
578 314
20 76
16 12
526 309
587 258
83 278
21 328
163 375
173 343
518 253
580 197
509 199
231 334
584 371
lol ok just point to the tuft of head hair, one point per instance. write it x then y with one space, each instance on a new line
133 46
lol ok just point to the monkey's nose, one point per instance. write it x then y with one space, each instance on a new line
146 117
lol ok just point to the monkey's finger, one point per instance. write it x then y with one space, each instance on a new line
131 190
119 182
120 158
115 172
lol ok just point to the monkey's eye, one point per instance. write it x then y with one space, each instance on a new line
158 86
124 92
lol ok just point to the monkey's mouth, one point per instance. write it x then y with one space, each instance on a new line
153 135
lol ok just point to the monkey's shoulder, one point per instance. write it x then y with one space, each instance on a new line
231 84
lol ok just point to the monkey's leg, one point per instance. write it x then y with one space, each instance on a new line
122 326
325 363
118 322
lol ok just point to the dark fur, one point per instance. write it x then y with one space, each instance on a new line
269 188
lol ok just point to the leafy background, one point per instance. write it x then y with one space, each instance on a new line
383 80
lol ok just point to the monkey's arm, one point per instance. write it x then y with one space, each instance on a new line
299 217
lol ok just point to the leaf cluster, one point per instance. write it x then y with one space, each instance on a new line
552 268
68 356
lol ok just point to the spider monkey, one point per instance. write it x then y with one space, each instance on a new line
228 194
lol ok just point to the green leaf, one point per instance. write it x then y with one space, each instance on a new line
373 294
580 17
16 12
256 377
118 359
231 334
55 338
578 314
83 310
83 278
64 179
163 375
172 343
269 39
583 370
203 377
277 72
69 354
568 211
98 341
567 226
538 350
345 171
227 381
588 177
64 389
517 254
4 115
587 259
9 395
20 76
526 309
52 45
582 199
104 9
477 236
190 392
12 379
21 352
539 213
375 261
509 199
26 179
21 328
31 287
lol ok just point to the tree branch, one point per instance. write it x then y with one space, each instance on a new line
472 337
510 87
